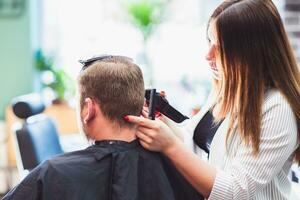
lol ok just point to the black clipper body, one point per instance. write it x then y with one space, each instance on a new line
158 103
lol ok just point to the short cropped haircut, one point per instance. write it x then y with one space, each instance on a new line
116 84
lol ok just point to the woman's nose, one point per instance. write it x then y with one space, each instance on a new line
210 54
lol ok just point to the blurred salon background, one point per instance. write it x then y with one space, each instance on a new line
41 42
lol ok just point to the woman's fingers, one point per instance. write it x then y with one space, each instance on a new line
141 121
162 93
145 104
145 109
147 131
144 137
154 134
145 113
144 144
147 142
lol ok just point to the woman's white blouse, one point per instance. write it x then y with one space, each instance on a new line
240 174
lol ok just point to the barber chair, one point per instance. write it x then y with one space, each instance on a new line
36 139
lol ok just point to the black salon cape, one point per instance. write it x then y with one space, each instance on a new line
109 170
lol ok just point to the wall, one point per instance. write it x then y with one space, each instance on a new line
292 24
16 57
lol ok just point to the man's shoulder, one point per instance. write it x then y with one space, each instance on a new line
69 160
95 154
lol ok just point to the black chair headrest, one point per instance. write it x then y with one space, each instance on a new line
27 105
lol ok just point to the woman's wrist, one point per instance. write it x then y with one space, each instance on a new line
173 148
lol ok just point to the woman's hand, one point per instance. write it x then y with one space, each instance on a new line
154 135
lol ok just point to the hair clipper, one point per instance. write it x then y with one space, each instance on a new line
156 102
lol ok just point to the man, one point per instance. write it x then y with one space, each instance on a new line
116 167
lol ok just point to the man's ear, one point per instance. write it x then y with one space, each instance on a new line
90 110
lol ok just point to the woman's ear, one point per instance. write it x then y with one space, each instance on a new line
90 110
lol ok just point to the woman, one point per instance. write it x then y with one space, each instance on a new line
256 95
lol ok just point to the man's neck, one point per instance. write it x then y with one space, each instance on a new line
111 131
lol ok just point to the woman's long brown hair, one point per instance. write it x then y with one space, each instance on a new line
255 56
